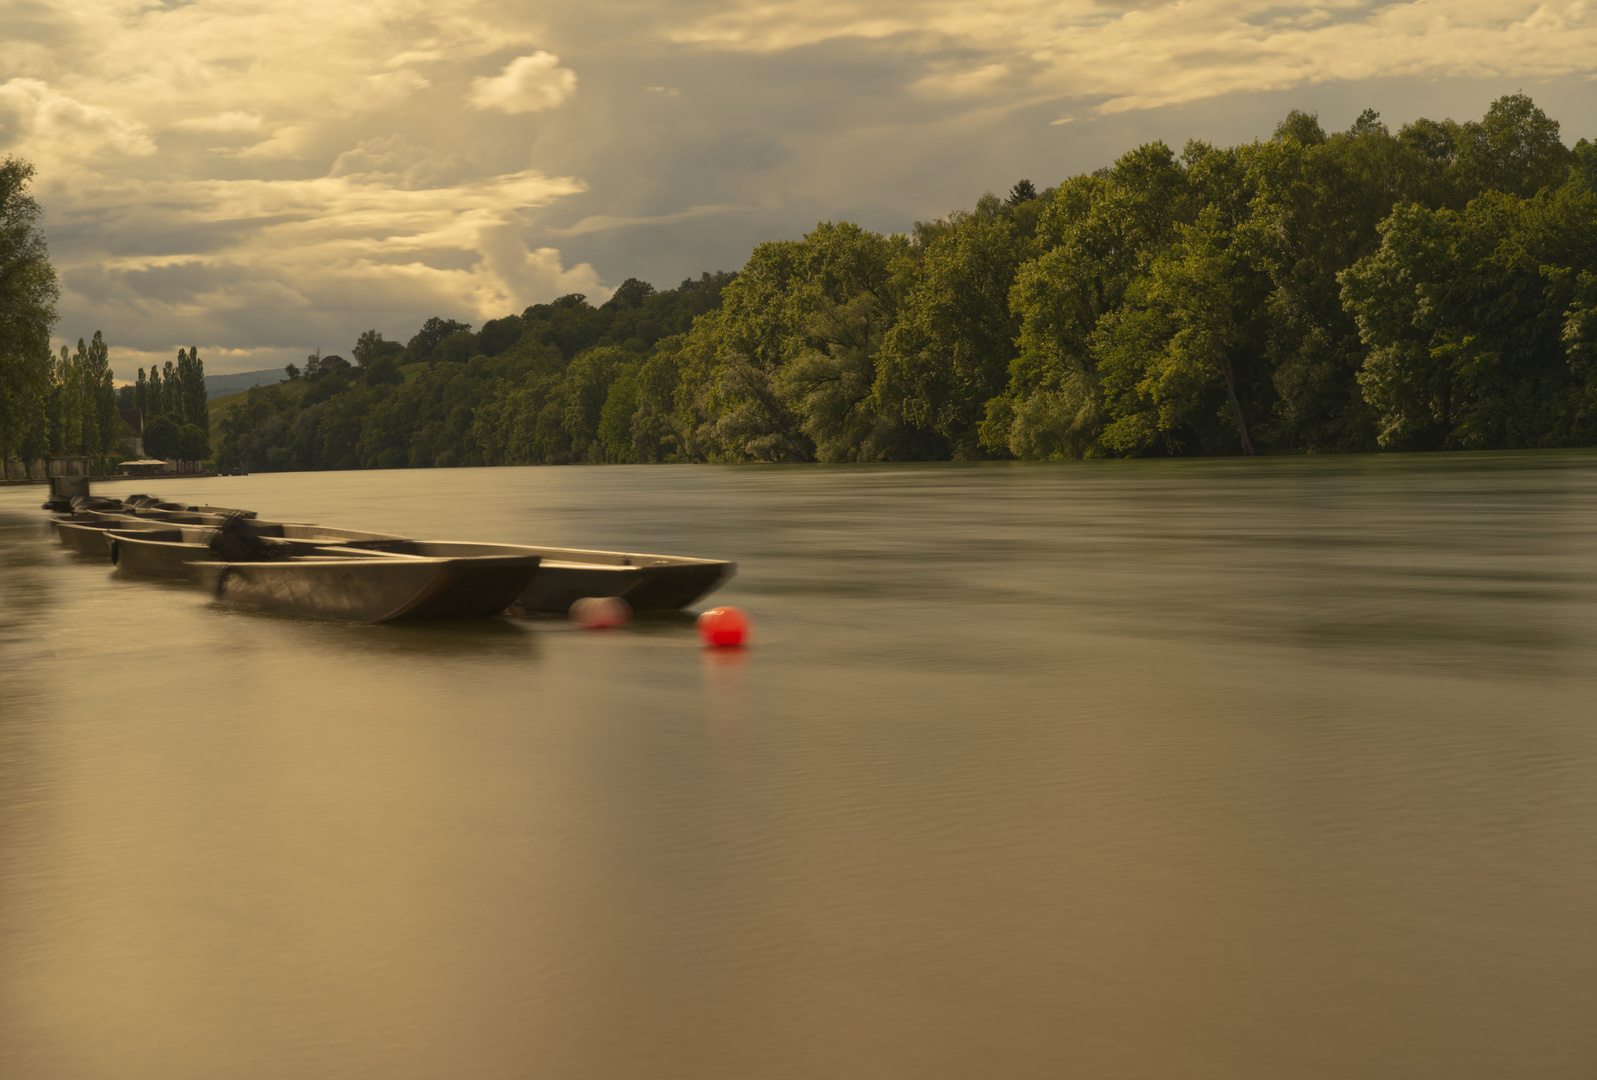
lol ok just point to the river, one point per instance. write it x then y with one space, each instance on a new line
1186 769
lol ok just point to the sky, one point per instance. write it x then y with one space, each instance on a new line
264 180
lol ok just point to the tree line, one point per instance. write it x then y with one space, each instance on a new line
173 405
62 403
68 403
1431 288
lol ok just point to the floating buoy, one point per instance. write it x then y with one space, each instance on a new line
723 626
594 612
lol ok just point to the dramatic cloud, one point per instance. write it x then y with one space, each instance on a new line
34 116
1147 55
265 179
528 84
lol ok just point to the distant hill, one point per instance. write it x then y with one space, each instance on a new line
221 385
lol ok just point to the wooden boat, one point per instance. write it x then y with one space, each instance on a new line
87 535
145 535
168 552
361 588
150 503
566 575
284 530
331 582
170 517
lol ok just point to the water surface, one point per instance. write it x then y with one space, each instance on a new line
1124 769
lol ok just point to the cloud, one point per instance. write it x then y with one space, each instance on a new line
287 142
35 115
341 193
226 123
384 89
528 84
1150 55
601 222
318 260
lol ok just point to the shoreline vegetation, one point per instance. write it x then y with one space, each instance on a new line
1433 288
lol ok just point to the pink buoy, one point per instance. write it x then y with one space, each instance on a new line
596 612
723 626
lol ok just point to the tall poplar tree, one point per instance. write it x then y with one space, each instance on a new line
67 411
100 399
170 395
191 386
28 292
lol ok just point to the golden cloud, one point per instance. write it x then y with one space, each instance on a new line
527 84
1148 55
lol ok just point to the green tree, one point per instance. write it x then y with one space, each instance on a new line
1583 169
28 292
171 392
193 444
191 396
431 334
457 348
1467 319
66 405
1514 148
615 419
101 406
163 438
1023 191
831 383
1315 212
382 372
371 347
1098 234
1183 349
949 350
737 405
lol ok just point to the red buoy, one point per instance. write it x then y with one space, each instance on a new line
594 612
723 626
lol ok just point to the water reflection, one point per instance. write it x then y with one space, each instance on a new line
23 590
507 639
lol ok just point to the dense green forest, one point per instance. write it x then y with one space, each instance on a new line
1432 288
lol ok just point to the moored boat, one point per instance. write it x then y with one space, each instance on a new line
168 552
87 535
145 535
328 581
282 530
362 588
566 575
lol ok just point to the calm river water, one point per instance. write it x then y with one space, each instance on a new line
1275 769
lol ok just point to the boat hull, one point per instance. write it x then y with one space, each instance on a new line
163 553
171 548
372 590
566 575
91 537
